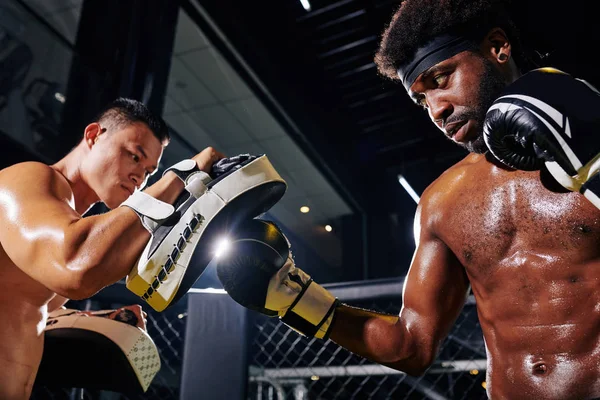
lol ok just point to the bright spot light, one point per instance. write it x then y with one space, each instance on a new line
180 316
222 247
474 372
60 97
314 378
328 228
305 4
483 385
207 290
304 209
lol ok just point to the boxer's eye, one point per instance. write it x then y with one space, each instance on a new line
440 79
135 158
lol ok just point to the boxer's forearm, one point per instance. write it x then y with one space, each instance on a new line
167 188
102 249
378 337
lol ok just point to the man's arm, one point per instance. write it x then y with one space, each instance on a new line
259 272
434 292
74 257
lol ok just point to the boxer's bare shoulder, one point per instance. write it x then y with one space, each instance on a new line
442 191
24 190
23 179
36 204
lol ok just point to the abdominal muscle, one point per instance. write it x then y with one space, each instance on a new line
23 314
544 341
21 348
572 373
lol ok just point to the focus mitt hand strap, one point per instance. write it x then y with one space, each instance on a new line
193 178
151 211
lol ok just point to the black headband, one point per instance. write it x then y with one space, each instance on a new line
438 49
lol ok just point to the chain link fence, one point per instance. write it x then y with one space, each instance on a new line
285 365
167 329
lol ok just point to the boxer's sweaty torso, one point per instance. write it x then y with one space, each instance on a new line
23 313
533 259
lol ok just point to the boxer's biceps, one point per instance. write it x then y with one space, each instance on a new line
33 235
435 290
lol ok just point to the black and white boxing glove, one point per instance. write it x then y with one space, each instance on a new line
549 117
258 272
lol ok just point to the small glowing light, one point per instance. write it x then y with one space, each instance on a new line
474 372
222 247
483 385
60 97
314 378
207 290
408 188
181 316
304 209
305 4
328 228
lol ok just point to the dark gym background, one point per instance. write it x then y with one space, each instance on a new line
264 77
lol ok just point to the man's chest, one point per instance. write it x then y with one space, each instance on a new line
490 219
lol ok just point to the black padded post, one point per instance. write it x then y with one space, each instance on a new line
215 353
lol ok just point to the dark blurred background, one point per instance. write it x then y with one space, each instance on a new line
293 79
269 77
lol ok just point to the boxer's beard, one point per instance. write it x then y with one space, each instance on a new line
491 85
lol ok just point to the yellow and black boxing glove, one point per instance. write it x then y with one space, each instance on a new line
259 273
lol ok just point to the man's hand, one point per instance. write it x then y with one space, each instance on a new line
206 158
132 315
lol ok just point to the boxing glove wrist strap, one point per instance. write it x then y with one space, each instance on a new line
312 312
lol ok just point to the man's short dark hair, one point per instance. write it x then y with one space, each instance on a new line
417 21
124 111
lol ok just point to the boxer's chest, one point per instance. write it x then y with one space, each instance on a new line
496 215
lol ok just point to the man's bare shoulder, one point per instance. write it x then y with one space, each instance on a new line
448 184
34 176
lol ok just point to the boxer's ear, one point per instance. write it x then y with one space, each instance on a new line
92 133
496 46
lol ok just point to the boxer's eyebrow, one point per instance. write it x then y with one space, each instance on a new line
431 71
141 150
424 76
